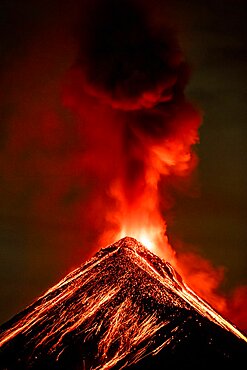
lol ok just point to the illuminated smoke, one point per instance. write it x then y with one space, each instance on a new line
127 87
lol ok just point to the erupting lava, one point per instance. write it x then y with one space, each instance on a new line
121 306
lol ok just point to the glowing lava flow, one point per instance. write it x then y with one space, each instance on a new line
125 299
147 238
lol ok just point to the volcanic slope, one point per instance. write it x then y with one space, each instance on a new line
125 307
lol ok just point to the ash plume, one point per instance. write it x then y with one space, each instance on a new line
127 86
127 63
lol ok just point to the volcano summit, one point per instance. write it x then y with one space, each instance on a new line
125 307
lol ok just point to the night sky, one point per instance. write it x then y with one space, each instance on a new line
44 229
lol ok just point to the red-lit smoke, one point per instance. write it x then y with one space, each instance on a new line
127 88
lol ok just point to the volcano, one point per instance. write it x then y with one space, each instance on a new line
124 308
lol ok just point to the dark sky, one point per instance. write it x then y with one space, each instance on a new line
42 191
215 37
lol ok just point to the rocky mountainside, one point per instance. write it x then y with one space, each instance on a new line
125 307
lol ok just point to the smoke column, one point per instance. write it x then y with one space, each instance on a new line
127 87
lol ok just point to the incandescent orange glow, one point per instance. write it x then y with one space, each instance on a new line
137 212
125 297
146 237
142 221
152 235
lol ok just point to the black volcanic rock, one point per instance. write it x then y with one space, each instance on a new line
124 308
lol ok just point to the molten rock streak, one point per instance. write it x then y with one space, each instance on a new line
121 306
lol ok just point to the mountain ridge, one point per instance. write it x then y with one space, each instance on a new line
122 307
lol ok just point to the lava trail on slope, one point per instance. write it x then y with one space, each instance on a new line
125 307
